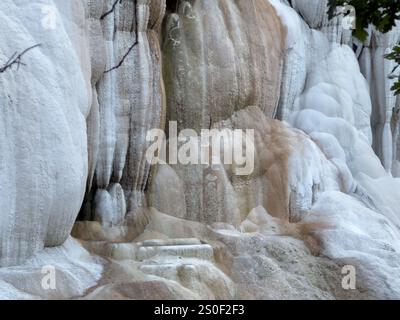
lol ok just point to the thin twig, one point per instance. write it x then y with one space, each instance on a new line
16 59
133 45
111 10
123 58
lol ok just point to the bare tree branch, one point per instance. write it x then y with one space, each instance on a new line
16 59
111 10
123 58
136 33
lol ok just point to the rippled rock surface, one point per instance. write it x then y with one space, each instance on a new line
74 120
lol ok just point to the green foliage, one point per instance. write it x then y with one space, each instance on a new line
380 13
395 56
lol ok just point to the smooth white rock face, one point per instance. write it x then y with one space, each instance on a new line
43 143
62 272
220 57
312 11
335 109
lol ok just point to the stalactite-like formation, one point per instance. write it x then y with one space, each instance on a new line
73 129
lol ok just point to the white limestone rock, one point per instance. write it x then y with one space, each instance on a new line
209 75
43 145
377 70
74 270
335 109
129 100
321 195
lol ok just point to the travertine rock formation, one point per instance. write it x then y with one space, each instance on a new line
43 144
127 103
220 62
73 139
376 70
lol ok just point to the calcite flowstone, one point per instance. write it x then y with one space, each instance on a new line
220 57
62 272
43 142
129 101
73 125
287 169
